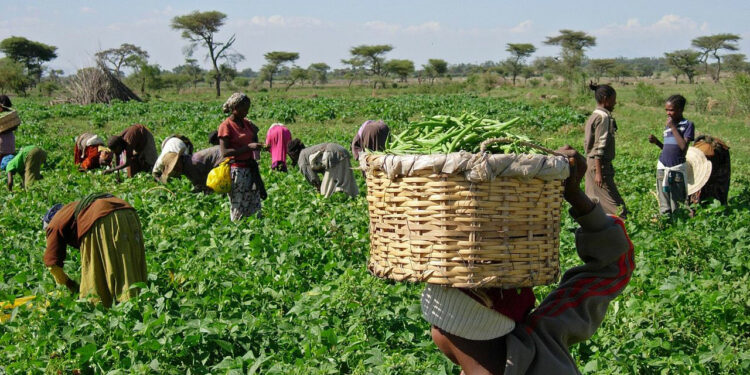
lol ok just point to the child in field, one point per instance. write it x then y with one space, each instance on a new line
671 187
599 145
27 163
481 329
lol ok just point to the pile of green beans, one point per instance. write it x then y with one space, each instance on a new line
446 134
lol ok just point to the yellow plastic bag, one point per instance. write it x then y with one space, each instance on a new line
219 179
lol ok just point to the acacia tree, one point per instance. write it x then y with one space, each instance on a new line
296 74
122 56
275 61
435 68
318 72
573 44
200 28
373 58
683 61
29 53
520 52
736 63
600 67
190 69
401 68
711 44
356 65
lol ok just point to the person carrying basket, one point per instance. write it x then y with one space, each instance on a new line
481 330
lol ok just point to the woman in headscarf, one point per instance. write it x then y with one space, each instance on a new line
195 167
90 152
107 231
176 143
27 163
238 139
277 138
136 145
328 158
371 136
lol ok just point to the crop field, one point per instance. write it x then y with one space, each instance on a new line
290 293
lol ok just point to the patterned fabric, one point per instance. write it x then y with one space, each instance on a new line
233 102
244 198
7 143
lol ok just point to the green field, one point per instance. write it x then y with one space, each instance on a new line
290 293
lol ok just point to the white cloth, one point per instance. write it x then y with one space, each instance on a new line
172 144
474 167
455 312
682 168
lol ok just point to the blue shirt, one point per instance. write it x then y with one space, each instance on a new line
671 154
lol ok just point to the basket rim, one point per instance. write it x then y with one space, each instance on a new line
477 167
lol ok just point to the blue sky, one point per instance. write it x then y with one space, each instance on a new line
324 30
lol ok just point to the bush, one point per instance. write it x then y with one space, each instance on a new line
241 82
739 93
701 99
648 95
534 82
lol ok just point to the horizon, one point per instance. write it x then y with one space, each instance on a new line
326 30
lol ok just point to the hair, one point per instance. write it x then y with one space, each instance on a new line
213 138
678 101
602 92
5 101
294 148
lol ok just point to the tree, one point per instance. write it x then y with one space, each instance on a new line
29 53
192 70
573 43
146 75
401 68
275 60
736 63
684 61
372 57
296 74
122 56
600 67
711 44
12 77
520 52
435 68
318 72
200 27
356 65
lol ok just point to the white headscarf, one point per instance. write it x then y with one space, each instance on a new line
233 101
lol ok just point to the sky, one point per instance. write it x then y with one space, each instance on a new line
468 31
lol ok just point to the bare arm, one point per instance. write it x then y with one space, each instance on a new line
128 157
10 181
229 152
652 139
681 142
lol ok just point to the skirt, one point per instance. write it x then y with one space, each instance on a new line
33 166
113 258
244 198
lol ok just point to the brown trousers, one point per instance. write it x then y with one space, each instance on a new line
608 195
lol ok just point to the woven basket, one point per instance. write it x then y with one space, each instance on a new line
9 121
441 228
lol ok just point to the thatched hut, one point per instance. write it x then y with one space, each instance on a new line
97 85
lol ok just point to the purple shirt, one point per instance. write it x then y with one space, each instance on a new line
7 143
671 154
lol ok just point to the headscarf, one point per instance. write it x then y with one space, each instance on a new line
234 101
5 161
47 218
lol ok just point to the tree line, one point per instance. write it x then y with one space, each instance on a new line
23 68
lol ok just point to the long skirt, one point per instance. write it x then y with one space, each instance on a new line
244 198
32 166
113 258
608 194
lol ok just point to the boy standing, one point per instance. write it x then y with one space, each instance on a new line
671 187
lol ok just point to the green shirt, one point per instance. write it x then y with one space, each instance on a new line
17 163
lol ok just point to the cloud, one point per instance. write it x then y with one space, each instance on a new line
88 10
279 21
391 28
669 23
522 27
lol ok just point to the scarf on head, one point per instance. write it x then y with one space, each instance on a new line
5 161
233 101
47 218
